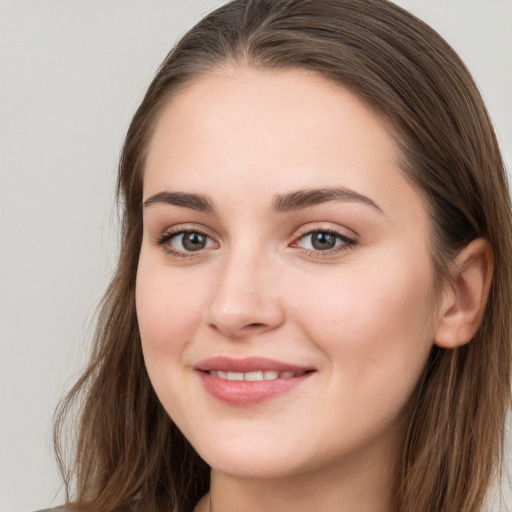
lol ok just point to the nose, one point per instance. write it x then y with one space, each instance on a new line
245 300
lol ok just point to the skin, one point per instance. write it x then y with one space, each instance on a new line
363 315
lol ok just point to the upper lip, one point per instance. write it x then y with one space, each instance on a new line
248 364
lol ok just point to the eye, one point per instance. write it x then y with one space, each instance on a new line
189 241
181 243
324 240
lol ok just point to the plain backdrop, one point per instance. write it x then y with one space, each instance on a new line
71 75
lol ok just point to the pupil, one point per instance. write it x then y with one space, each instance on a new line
194 241
323 241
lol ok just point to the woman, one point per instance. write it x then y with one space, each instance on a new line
311 307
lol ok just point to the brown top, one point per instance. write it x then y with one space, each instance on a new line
62 508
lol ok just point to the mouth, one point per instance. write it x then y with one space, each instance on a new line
255 376
244 382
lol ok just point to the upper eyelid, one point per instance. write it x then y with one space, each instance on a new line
318 227
172 234
345 238
169 235
186 228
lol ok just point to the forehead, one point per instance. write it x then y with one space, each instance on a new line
276 130
239 107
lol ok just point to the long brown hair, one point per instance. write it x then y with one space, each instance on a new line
127 449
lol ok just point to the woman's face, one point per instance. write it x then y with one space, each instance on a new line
285 291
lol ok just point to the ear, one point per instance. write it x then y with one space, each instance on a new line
464 298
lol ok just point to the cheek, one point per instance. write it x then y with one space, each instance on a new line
169 309
375 326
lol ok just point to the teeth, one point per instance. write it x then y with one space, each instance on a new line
235 376
254 376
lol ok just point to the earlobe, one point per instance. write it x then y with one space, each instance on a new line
464 298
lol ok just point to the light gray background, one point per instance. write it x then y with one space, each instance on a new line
71 74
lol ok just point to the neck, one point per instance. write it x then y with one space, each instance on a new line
362 487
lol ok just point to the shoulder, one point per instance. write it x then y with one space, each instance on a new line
74 508
62 508
137 507
56 509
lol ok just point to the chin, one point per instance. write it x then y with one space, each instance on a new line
250 460
245 469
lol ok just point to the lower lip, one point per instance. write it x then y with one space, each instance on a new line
244 392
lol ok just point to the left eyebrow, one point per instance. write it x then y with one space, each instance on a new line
310 197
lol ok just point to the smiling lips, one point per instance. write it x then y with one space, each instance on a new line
249 381
254 376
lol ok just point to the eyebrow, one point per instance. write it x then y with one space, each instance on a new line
311 197
193 201
290 201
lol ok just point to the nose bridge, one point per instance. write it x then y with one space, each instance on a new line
244 300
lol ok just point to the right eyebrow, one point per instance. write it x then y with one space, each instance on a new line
196 202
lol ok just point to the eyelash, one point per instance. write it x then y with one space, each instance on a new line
165 239
346 242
